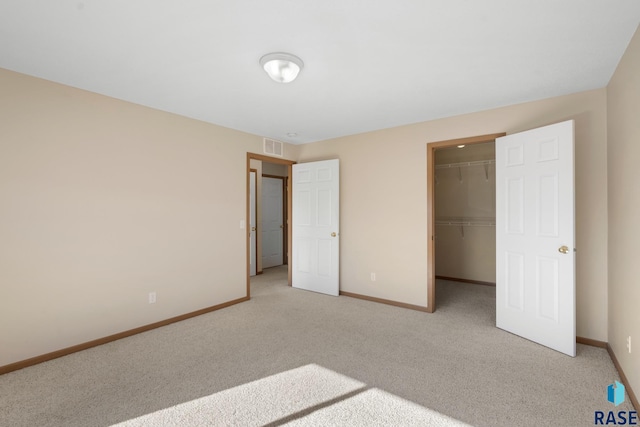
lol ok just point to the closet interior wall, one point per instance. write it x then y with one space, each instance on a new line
465 201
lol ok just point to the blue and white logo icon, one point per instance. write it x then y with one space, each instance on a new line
615 393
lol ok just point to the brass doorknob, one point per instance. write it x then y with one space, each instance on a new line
333 234
563 250
282 226
253 229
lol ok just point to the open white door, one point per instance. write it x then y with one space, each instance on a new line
535 260
316 227
252 224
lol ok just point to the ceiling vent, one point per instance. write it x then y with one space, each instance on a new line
273 147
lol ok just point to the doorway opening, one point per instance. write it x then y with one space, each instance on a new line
457 226
278 235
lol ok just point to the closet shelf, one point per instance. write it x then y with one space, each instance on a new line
465 164
471 222
484 163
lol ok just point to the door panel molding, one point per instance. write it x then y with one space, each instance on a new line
535 297
316 226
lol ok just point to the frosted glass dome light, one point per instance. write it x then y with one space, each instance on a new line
281 67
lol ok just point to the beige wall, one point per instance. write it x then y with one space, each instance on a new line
274 169
623 102
466 252
102 202
383 199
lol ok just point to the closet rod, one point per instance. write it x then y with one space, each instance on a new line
464 164
469 223
477 222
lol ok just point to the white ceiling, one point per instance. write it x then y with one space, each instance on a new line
369 64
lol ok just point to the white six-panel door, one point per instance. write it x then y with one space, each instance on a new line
316 227
272 222
252 224
535 259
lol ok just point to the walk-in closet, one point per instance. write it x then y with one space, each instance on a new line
465 214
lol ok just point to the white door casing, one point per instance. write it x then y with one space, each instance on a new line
252 225
535 236
316 226
272 222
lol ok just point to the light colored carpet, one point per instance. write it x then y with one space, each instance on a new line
300 358
310 395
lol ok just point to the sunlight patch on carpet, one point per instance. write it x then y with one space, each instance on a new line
309 395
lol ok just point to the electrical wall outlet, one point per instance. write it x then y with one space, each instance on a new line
373 277
152 297
629 343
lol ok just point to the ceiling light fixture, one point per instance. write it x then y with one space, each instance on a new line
281 67
460 146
